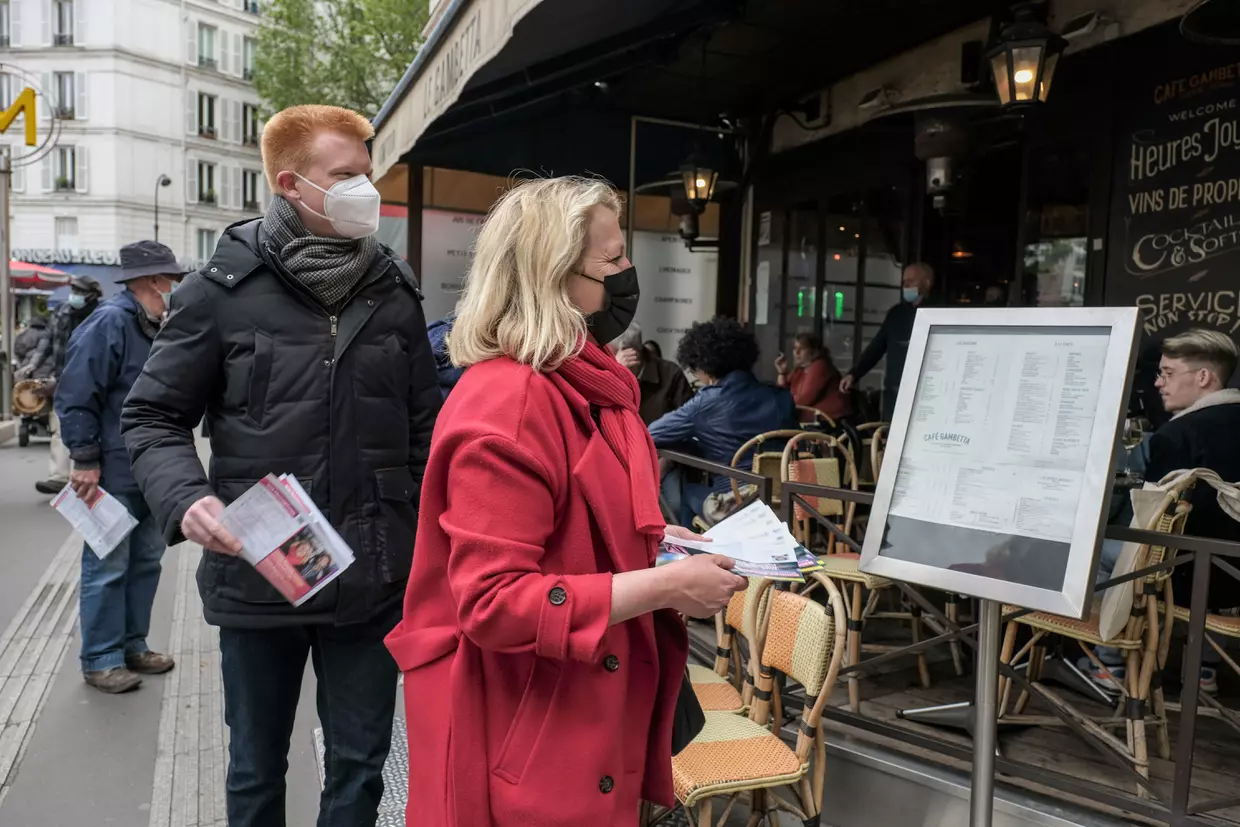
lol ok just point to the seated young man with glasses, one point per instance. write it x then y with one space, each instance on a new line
1204 432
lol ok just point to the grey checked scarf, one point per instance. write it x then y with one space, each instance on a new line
329 267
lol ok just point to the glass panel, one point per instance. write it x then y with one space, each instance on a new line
768 287
1056 225
800 287
1048 74
1025 60
998 65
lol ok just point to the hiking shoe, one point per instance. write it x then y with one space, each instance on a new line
1208 681
113 681
149 663
50 487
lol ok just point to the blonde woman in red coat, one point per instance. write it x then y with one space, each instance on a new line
542 652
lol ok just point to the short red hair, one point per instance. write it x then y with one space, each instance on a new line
289 133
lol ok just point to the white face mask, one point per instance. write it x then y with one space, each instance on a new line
352 206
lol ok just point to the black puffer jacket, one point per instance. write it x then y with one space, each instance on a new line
346 404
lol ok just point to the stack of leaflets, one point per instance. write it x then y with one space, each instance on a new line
286 538
756 539
103 521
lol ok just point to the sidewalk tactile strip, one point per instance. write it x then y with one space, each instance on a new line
32 649
395 775
189 765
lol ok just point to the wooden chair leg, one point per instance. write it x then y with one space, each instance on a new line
1159 703
923 668
1005 656
704 813
854 648
1140 748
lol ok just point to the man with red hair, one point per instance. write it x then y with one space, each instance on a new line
304 344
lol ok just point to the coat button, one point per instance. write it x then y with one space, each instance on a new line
370 302
606 784
611 663
557 596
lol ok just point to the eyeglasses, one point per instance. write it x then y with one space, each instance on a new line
1166 374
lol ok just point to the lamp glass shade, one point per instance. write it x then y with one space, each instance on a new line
1048 73
999 65
1026 61
699 181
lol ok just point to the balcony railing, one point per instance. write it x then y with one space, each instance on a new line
250 206
206 132
64 185
62 39
5 41
247 73
251 140
207 197
207 62
65 113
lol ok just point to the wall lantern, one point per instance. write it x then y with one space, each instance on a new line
699 180
1024 59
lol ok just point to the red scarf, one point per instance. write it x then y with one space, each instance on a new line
613 390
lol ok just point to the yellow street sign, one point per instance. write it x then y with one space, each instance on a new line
23 103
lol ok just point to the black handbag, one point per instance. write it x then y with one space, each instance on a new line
689 719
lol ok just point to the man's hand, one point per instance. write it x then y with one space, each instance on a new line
629 357
85 483
846 384
201 525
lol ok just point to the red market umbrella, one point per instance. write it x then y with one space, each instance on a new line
25 274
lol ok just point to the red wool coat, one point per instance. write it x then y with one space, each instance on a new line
523 706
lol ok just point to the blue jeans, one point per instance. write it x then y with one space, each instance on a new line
685 499
262 670
117 592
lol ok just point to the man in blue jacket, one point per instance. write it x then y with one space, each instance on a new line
449 374
105 355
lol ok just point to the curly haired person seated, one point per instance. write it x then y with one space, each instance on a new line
732 407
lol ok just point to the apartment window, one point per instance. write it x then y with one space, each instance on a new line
206 46
206 245
6 27
206 115
250 5
206 182
249 190
66 230
247 58
62 22
65 90
64 168
250 125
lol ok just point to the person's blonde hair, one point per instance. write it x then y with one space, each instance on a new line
1209 349
516 302
287 137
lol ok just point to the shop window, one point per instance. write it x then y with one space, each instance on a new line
1057 226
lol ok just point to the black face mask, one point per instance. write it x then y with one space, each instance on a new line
621 292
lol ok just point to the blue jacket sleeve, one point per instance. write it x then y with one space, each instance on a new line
92 364
677 426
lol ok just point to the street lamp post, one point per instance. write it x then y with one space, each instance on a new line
162 181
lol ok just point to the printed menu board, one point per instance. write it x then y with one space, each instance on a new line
1003 457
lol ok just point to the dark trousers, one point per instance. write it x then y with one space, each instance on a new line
262 670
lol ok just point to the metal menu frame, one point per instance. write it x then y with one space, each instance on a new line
1075 598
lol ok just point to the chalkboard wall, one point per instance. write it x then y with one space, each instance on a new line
1175 215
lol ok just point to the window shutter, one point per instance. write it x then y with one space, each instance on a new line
238 65
81 112
237 114
238 193
224 111
81 175
15 23
223 62
46 165
19 179
49 98
46 7
79 22
191 181
224 195
191 112
6 99
191 54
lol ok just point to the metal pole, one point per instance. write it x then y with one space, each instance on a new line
7 317
631 206
986 712
158 181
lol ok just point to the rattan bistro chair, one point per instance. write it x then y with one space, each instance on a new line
737 756
767 463
817 417
728 687
1139 641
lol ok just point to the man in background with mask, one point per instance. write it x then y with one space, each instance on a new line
303 342
893 337
105 355
48 360
663 384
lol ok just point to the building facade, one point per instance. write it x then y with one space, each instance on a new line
159 124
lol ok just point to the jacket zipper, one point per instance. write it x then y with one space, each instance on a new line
333 320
